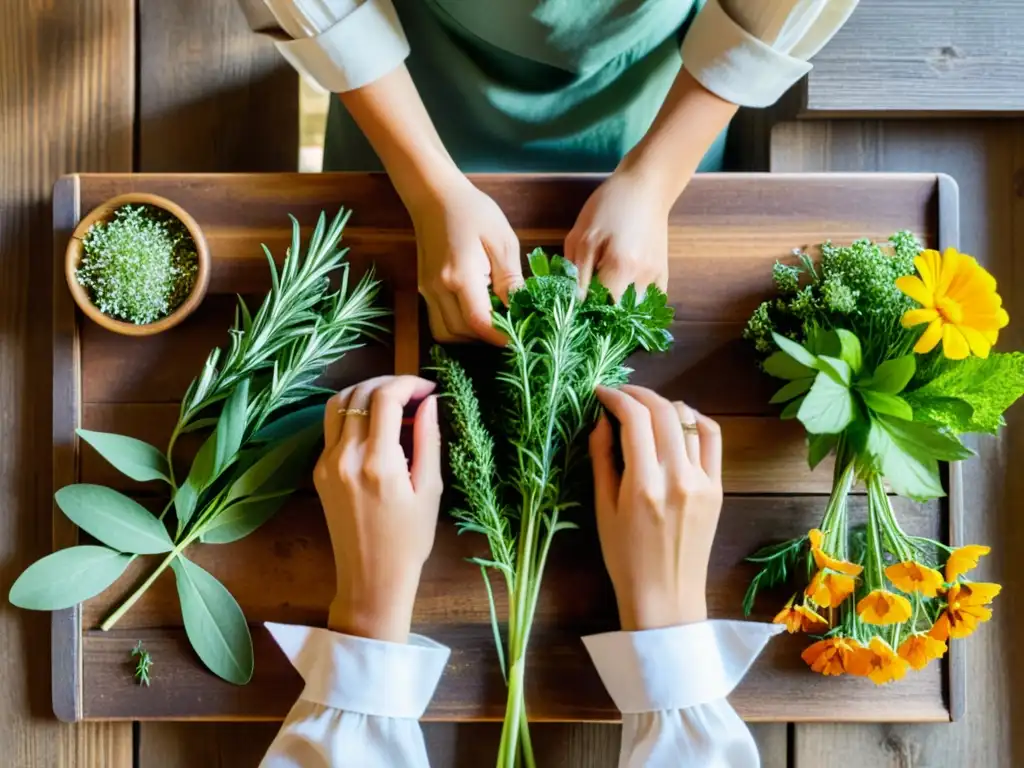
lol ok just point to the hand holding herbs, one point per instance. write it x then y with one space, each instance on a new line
381 512
139 266
259 401
886 369
523 474
657 518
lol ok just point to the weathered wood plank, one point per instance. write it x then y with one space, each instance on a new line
294 553
212 95
907 56
987 160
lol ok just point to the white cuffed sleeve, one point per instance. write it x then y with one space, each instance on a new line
339 44
362 701
750 52
670 685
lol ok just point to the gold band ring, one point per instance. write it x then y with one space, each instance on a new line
690 429
353 412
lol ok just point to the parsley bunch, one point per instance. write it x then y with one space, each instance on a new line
522 476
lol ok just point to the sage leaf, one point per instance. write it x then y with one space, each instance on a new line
790 390
67 577
886 404
796 351
214 623
114 519
849 349
892 376
231 426
828 408
133 458
243 517
290 423
199 476
262 472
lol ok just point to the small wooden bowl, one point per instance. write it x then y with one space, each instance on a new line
105 212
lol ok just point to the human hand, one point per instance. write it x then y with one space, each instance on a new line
381 512
622 235
657 520
464 244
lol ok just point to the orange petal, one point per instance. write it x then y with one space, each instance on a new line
954 345
915 289
979 592
816 537
931 337
963 559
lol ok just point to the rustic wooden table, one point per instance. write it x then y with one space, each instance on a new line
725 233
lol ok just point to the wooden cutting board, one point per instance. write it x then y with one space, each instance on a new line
725 234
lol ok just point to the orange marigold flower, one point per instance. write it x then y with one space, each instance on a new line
920 649
824 560
911 576
833 656
800 618
966 608
829 589
884 607
883 664
958 302
964 559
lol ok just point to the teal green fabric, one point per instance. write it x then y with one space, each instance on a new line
534 85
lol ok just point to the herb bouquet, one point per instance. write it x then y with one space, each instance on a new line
522 478
885 369
258 399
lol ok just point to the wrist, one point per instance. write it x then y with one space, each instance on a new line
378 616
656 612
660 186
425 178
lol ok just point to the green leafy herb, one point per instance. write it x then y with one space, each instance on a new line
143 665
559 350
139 266
265 411
777 563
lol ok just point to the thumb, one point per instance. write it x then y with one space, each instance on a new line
606 476
425 469
506 268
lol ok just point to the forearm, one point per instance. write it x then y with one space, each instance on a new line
391 115
689 121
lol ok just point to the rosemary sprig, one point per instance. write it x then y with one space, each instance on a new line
143 665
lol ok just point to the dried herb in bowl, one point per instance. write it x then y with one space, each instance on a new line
139 266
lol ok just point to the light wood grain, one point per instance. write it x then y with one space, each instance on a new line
66 91
987 160
908 56
212 95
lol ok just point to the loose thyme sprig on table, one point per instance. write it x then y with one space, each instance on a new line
143 665
560 349
139 266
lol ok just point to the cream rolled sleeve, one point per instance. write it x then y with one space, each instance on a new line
750 52
340 45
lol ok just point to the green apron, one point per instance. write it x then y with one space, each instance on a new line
534 85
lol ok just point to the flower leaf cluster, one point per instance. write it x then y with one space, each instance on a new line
139 266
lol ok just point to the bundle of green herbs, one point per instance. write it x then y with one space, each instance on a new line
264 412
139 266
521 479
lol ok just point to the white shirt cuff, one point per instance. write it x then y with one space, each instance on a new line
755 55
676 667
359 675
361 47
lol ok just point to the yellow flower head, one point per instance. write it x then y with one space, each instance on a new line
958 301
966 608
829 589
824 560
800 618
964 559
882 607
919 650
833 656
883 664
911 576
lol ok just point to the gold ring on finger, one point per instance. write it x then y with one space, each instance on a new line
690 429
354 412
